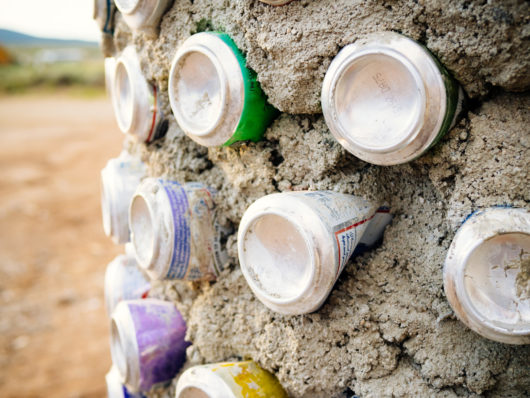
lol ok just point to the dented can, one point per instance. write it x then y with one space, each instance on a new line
487 274
143 15
175 232
136 101
115 388
147 342
292 246
124 280
387 99
215 98
229 380
119 180
104 15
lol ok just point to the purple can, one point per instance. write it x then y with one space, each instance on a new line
147 342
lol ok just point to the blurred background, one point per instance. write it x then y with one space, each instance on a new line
57 130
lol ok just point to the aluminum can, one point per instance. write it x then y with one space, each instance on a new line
174 230
215 98
487 274
136 101
276 2
124 280
292 246
147 342
143 15
387 99
104 15
229 380
119 180
115 388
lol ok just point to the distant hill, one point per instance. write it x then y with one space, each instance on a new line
11 38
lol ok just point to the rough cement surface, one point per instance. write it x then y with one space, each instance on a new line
386 329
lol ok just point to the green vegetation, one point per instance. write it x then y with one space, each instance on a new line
33 70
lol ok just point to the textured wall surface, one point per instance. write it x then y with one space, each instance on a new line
387 328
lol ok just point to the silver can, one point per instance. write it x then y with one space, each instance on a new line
124 280
487 274
292 246
215 98
143 15
135 100
174 230
119 179
115 387
387 99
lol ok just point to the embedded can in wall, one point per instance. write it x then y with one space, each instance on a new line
276 2
147 343
119 180
135 100
174 230
229 380
143 15
124 280
387 99
215 98
487 274
292 246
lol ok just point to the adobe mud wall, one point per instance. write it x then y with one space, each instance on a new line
387 328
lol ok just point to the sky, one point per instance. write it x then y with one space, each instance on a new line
61 19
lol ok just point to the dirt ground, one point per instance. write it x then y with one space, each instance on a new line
53 252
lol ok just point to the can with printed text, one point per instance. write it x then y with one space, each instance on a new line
119 180
175 231
292 246
487 274
143 15
147 342
387 99
136 101
215 98
124 280
229 380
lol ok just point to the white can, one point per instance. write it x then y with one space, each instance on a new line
124 280
104 15
487 274
143 15
119 180
228 380
293 246
387 99
135 100
115 388
215 98
174 230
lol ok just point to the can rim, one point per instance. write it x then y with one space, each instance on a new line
125 126
349 62
248 223
479 228
174 101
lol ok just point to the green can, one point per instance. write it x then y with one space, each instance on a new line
215 98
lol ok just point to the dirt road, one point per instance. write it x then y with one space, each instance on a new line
53 253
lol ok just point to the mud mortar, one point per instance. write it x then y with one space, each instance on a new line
387 328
